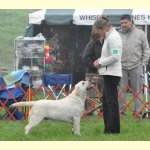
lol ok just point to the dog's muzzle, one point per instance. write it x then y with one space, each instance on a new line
89 87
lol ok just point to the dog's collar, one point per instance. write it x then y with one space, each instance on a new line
77 100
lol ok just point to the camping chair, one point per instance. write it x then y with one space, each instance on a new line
13 89
58 84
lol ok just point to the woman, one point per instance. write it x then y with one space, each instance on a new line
109 66
92 52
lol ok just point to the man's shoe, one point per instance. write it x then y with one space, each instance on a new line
146 115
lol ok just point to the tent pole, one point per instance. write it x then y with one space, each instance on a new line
74 54
146 79
77 37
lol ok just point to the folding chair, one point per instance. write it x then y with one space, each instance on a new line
57 84
13 88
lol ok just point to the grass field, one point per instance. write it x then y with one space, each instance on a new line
13 23
131 130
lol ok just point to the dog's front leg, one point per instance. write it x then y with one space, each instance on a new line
76 125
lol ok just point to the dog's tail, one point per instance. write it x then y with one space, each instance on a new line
22 104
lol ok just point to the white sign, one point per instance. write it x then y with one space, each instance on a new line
86 16
141 16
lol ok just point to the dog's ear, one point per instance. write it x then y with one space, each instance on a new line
77 92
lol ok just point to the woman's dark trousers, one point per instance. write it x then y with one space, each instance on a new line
110 104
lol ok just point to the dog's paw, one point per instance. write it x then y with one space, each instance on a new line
26 133
77 134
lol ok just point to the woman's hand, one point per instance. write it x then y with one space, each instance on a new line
96 63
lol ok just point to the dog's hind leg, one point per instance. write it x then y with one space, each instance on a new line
33 122
76 125
72 130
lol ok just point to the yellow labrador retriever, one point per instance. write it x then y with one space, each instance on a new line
68 109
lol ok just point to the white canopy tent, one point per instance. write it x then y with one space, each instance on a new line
86 17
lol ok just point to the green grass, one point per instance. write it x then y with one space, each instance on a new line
131 130
13 23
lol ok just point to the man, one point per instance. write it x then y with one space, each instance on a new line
109 66
135 56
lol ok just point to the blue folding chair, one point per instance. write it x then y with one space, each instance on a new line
13 88
52 81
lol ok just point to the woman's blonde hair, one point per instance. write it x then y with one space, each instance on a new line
102 22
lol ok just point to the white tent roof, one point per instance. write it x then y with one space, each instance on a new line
37 17
88 16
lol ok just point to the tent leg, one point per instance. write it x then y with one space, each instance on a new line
146 88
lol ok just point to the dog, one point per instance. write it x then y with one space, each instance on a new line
69 109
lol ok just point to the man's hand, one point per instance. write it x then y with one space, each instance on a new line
96 64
